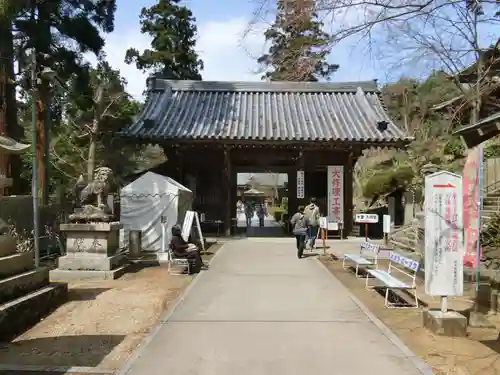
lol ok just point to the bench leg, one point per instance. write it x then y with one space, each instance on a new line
395 306
387 298
357 272
176 271
366 283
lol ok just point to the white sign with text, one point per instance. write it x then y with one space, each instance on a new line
335 193
443 235
386 223
190 219
366 218
300 185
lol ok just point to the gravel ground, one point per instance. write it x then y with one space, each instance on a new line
102 322
477 354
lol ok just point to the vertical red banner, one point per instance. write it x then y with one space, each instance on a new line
470 191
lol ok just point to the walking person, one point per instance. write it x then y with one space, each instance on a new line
248 213
299 223
311 212
261 214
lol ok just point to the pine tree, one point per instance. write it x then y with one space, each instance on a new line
299 47
172 54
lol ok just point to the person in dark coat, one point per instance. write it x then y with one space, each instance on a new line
248 213
300 224
182 249
261 214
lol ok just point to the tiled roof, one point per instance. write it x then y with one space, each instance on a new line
266 179
184 110
494 118
475 134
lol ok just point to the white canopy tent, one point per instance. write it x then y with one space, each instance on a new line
144 202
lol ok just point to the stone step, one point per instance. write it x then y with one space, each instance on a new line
21 313
404 239
18 285
491 200
7 245
399 245
16 263
489 212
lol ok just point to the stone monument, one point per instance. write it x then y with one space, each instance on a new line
26 295
92 235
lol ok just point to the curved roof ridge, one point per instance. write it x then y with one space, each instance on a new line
157 84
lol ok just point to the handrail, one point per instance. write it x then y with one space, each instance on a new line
493 187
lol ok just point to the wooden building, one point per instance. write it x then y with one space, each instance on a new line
211 131
487 126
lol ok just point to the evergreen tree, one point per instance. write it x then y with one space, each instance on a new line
172 55
58 32
299 47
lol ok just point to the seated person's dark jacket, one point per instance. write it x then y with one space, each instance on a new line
179 246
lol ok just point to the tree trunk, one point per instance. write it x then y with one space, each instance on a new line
92 154
94 132
42 44
12 165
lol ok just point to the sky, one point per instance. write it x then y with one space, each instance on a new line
227 51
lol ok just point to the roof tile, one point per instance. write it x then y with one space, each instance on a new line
264 111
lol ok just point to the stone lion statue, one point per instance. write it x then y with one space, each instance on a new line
92 196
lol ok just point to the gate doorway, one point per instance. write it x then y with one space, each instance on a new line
211 131
262 204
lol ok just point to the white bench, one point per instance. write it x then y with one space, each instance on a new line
406 268
367 250
179 262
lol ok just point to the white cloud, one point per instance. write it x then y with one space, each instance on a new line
228 52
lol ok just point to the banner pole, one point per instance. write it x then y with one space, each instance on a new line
480 182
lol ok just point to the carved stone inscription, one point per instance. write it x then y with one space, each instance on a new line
78 245
96 246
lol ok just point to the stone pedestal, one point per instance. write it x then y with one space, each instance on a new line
91 252
26 295
409 206
450 323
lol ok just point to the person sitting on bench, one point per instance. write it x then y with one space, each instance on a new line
182 249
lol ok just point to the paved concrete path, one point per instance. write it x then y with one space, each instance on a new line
261 311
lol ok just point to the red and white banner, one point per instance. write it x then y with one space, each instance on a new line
470 193
335 176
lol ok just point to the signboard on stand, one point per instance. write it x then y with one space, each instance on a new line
386 227
470 196
443 235
335 193
386 223
366 219
300 185
187 228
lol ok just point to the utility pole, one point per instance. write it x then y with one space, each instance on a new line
34 163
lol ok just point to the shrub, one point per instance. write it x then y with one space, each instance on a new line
490 236
278 214
385 181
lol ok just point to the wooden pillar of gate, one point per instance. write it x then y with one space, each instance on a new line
348 195
228 173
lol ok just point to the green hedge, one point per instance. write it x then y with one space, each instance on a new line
278 214
384 181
